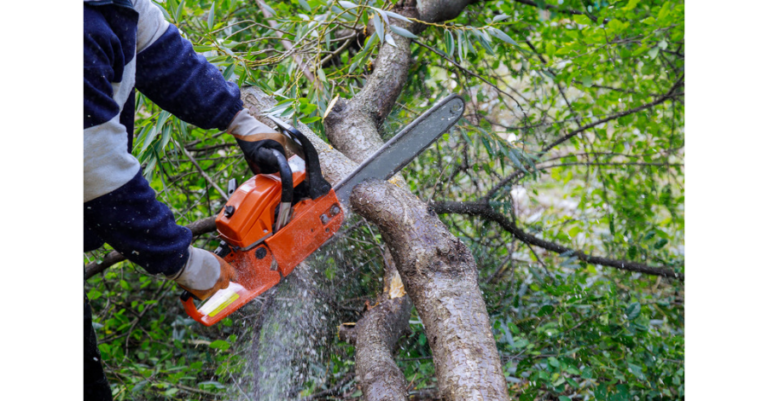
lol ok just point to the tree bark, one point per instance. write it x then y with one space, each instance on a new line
440 276
438 271
377 334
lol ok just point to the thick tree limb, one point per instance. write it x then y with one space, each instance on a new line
454 312
440 276
483 209
199 227
376 335
353 125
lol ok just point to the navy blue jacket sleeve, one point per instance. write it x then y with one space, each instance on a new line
139 226
171 74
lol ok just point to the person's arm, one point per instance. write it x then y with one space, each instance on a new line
171 74
143 229
119 205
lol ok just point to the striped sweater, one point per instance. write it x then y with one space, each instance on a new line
129 45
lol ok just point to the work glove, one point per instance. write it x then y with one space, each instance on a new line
204 273
257 140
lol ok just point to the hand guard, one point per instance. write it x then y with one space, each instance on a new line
257 140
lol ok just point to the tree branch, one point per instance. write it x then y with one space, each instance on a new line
483 209
440 276
202 172
377 334
519 173
669 95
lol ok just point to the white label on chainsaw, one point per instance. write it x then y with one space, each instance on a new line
220 297
297 164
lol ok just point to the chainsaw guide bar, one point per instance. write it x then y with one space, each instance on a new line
405 146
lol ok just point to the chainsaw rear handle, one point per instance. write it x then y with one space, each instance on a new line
189 306
187 295
222 251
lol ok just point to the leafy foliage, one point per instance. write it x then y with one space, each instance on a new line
537 80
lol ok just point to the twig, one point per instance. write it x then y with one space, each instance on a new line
202 172
288 46
466 71
333 390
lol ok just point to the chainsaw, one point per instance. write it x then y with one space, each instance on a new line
272 222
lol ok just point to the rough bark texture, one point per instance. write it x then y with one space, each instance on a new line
377 335
440 276
437 270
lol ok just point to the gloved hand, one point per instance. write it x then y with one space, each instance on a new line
204 274
255 140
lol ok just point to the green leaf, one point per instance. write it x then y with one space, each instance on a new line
220 344
321 74
631 5
403 32
396 16
178 10
500 17
378 25
487 146
545 310
501 35
383 15
462 45
586 81
660 244
633 310
389 39
347 4
305 5
649 21
449 45
483 41
653 52
269 9
229 71
211 15
564 398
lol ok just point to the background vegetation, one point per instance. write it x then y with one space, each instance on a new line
574 134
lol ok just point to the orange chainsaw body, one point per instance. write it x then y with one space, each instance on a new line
260 256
